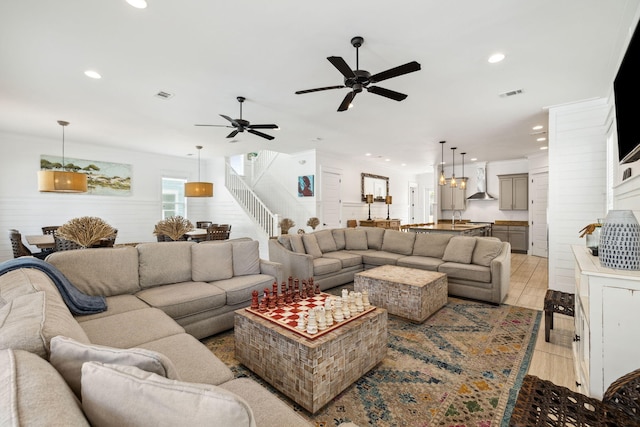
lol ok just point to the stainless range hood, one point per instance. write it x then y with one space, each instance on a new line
481 180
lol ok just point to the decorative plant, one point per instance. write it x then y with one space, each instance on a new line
175 227
313 222
286 224
589 229
86 231
301 231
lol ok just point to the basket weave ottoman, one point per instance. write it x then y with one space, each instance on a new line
406 292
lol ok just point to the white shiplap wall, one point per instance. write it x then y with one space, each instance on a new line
577 181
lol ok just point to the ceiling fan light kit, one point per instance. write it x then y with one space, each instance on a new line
240 125
358 80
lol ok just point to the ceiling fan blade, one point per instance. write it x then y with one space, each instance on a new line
263 126
300 92
264 135
347 101
397 96
228 118
342 66
409 67
233 133
217 126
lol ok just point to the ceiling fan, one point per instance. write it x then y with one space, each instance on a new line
358 79
240 125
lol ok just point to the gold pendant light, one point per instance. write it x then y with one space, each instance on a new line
453 182
443 179
198 189
463 180
62 181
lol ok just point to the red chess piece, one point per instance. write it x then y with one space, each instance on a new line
280 302
254 300
272 302
275 289
317 289
263 306
303 290
288 298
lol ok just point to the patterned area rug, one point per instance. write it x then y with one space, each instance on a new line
461 368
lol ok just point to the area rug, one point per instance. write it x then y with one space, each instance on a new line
462 367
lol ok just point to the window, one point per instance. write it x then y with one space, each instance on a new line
173 202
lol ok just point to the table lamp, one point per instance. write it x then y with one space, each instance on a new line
369 201
388 201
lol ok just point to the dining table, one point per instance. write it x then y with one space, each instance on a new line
42 241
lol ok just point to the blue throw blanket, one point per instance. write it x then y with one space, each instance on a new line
77 302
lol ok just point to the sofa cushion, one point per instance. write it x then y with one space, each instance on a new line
246 257
161 263
296 243
326 242
211 262
374 237
285 241
486 250
472 272
115 305
68 355
311 245
338 236
32 393
18 282
420 262
238 289
398 242
348 259
355 239
325 266
459 249
103 271
116 331
380 258
431 244
116 395
182 299
30 321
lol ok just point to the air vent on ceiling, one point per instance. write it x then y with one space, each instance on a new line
511 93
163 95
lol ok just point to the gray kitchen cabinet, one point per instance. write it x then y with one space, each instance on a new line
516 235
514 192
453 199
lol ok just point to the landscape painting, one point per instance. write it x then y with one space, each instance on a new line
103 178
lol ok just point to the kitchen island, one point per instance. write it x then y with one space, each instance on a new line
464 229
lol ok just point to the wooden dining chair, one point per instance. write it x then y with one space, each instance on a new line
19 249
65 245
217 233
203 224
50 229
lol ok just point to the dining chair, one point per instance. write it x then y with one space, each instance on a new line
217 233
65 245
19 249
50 229
203 224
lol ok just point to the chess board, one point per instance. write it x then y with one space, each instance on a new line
287 316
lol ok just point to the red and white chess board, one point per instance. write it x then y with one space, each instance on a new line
287 316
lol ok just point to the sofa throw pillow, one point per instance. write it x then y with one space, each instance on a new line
398 242
68 355
296 243
355 239
459 249
246 258
285 241
485 251
20 321
338 236
326 241
116 395
211 262
374 237
431 244
311 245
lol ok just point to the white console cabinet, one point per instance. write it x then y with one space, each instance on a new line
607 323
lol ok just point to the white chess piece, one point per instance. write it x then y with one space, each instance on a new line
365 299
346 311
300 324
328 317
352 303
312 326
338 315
345 293
322 318
359 303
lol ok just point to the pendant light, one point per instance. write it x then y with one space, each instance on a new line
443 179
198 189
62 181
463 180
453 182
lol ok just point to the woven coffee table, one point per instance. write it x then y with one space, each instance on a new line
406 292
310 372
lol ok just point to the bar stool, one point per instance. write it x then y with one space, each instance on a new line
556 302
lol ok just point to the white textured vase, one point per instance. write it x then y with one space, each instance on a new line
620 241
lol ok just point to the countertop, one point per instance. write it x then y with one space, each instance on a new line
512 223
449 227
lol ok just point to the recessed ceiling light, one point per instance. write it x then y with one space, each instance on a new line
368 154
496 57
138 4
544 148
403 164
387 160
541 139
92 74
537 127
473 159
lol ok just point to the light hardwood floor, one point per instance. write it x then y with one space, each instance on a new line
551 360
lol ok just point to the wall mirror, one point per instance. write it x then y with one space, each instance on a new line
376 185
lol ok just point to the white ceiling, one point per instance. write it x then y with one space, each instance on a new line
207 53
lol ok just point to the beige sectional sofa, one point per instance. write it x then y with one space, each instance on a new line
160 298
476 267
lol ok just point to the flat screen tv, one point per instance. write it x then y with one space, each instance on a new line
626 89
